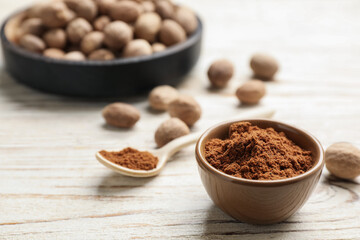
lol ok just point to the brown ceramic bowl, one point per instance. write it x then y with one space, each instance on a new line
260 201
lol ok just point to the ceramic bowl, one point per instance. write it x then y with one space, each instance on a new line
121 77
260 201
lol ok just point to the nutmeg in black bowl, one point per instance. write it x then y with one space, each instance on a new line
115 78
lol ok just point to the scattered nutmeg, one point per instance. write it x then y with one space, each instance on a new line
185 108
77 29
343 160
147 26
158 47
101 55
121 115
220 72
54 53
101 22
169 130
55 14
75 56
161 96
117 34
251 92
171 33
187 19
125 10
137 47
92 41
32 43
55 38
264 66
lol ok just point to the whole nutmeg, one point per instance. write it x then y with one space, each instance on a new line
185 108
147 26
137 47
92 41
187 19
54 53
55 38
121 115
35 10
220 72
169 130
83 8
127 11
32 43
165 9
104 5
117 34
101 22
264 66
251 92
56 14
75 56
32 26
171 33
343 160
101 55
148 6
77 29
161 96
158 47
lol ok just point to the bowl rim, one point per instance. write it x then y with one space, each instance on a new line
259 183
191 40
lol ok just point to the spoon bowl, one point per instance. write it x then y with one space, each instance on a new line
163 154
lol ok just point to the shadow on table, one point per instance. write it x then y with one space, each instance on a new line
27 97
332 180
350 186
219 225
110 128
115 183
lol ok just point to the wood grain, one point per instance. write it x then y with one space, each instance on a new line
51 186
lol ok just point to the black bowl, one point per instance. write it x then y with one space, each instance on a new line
115 78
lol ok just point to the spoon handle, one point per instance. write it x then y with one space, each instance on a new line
263 112
182 142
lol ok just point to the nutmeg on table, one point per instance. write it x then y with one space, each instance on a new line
343 160
126 28
184 112
220 72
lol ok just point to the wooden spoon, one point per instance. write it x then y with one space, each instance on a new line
167 151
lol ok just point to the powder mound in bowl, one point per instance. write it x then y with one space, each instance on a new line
132 158
259 154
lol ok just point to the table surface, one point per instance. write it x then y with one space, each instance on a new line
51 186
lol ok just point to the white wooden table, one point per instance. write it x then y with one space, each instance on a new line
51 186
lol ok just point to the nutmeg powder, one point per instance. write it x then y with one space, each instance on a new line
132 158
259 154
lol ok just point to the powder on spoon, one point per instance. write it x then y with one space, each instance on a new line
260 154
132 158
